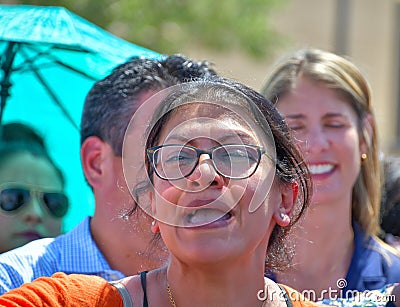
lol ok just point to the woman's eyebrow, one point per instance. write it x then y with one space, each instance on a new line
332 114
177 137
238 134
295 116
327 115
224 138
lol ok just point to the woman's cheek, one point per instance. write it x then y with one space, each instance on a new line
166 198
242 192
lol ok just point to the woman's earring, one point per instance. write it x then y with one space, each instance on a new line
363 156
285 219
154 227
283 216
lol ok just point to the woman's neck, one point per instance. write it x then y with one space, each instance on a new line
229 284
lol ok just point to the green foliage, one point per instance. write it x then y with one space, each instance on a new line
167 26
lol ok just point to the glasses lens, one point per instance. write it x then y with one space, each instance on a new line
174 162
13 198
236 161
57 203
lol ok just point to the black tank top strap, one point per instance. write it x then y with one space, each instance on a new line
143 282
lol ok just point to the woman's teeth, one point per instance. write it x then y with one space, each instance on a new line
205 216
320 168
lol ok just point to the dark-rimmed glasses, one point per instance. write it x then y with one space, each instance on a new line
14 198
234 161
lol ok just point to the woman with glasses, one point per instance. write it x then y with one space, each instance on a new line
224 184
326 101
32 202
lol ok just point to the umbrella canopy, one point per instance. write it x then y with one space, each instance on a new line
49 59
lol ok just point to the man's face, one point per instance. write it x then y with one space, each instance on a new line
119 206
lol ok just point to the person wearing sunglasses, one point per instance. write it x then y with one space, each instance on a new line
32 201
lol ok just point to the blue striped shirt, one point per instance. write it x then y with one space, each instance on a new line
73 252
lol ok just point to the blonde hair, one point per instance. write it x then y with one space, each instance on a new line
344 77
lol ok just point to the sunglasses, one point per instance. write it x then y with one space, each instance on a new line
13 199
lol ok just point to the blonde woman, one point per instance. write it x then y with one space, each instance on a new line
326 102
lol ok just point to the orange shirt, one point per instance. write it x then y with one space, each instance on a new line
76 290
63 291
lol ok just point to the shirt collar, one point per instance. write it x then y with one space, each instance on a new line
80 254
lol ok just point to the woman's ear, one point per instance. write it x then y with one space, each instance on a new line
367 131
91 157
283 212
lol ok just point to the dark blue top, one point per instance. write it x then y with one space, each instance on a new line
371 266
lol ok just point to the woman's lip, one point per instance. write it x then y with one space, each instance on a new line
201 202
205 212
201 212
214 203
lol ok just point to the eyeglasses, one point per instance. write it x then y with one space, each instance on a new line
12 199
235 161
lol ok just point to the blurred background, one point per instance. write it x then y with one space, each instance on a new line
244 38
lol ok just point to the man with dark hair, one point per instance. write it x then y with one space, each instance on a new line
117 240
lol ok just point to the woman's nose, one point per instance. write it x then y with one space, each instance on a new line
315 141
205 174
33 211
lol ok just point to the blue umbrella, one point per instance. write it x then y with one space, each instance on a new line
49 59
